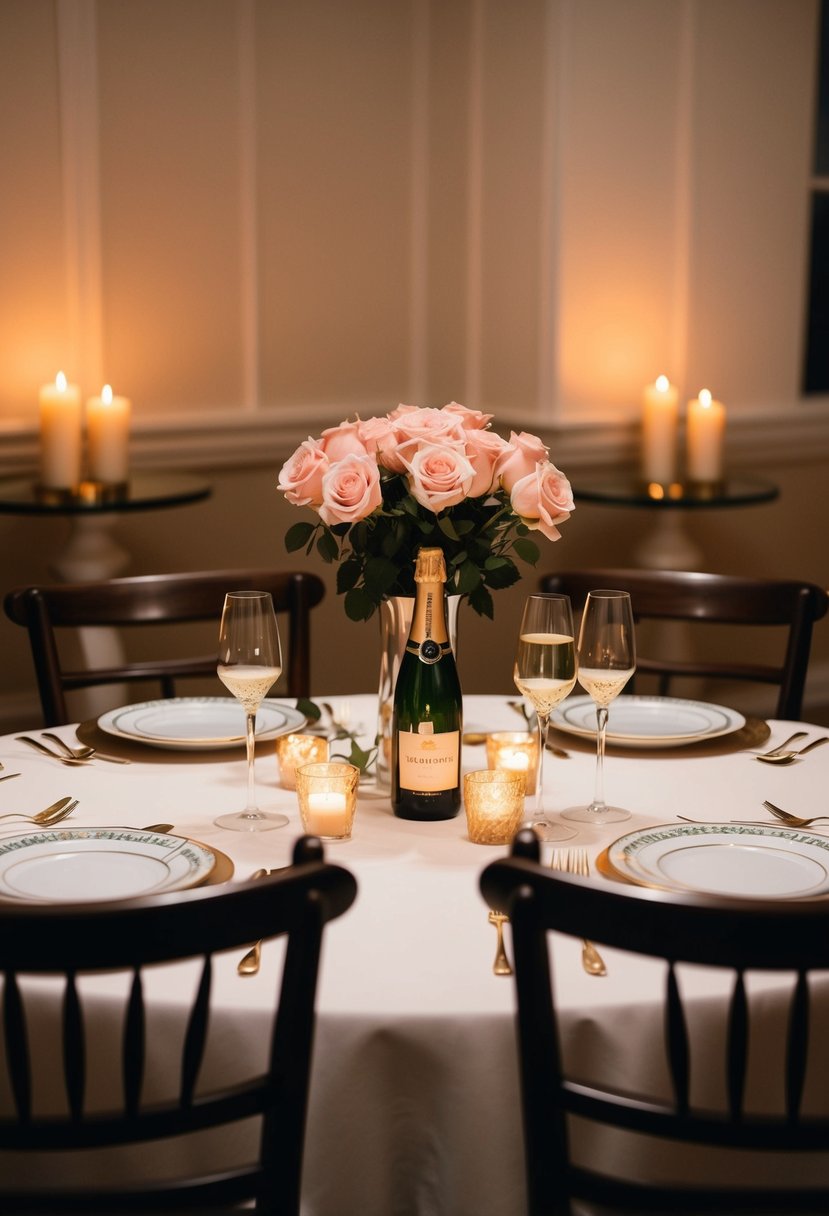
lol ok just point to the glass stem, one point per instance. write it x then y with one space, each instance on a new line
251 810
542 742
598 803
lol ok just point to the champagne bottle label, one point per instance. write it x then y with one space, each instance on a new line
428 762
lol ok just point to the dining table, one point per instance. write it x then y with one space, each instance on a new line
414 1104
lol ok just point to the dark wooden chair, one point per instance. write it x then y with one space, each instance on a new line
741 936
155 599
297 903
672 595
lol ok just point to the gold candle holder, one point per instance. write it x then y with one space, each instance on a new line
327 795
295 750
494 803
515 752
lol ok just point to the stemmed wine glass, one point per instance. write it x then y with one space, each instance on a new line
545 673
250 661
607 660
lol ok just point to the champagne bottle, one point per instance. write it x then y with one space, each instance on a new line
426 723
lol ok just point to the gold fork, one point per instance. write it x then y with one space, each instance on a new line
575 861
501 965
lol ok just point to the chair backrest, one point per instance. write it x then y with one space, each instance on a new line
674 595
155 599
295 903
790 937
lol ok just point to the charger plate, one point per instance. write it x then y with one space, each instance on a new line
197 723
722 859
635 721
80 865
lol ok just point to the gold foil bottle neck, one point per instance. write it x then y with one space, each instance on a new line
430 566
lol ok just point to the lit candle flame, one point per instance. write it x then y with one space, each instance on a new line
704 398
60 382
106 394
662 384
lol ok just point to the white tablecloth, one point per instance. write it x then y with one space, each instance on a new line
414 1104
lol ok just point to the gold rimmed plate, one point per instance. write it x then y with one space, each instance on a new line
722 859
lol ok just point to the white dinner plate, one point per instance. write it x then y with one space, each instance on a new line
648 721
197 723
71 865
725 859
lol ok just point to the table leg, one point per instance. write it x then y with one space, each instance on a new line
668 546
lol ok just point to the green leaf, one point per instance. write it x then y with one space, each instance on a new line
359 606
464 526
379 574
527 550
327 547
447 527
348 575
481 601
307 707
468 577
495 563
298 535
503 576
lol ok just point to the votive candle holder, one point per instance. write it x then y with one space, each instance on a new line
515 752
327 795
494 803
295 750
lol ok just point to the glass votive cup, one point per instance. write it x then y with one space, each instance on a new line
494 803
327 795
516 752
295 750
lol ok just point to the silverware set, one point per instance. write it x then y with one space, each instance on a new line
66 754
784 754
50 815
783 817
575 861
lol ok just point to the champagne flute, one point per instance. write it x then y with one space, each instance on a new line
545 673
250 661
607 660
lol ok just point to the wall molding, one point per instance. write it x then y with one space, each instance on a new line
233 439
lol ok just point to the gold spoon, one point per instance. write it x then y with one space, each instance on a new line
785 757
249 964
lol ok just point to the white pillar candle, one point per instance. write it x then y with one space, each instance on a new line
660 425
327 814
108 429
706 428
518 762
61 435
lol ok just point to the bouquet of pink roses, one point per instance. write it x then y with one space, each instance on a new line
383 487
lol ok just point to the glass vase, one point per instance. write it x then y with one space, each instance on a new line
395 622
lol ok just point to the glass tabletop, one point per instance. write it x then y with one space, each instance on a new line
143 492
630 491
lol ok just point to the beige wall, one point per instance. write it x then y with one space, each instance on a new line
254 218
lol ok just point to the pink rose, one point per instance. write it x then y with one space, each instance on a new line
429 426
417 428
543 499
350 490
523 453
300 478
483 449
342 440
379 439
439 476
473 420
401 410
